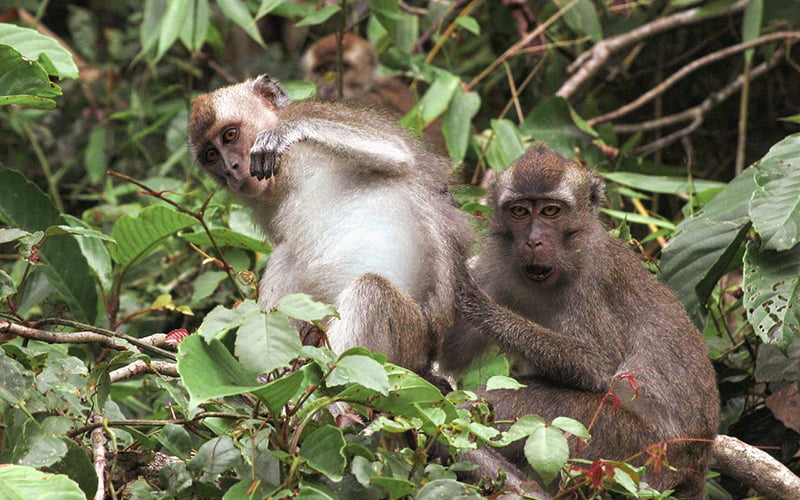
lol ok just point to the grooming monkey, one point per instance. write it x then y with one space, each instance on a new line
356 209
580 316
360 80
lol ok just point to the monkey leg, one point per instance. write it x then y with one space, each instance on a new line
377 315
619 434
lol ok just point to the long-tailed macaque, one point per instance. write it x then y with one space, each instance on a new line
360 79
580 317
356 209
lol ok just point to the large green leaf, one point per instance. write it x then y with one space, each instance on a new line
583 18
24 205
239 12
24 82
661 183
323 449
361 370
20 482
547 451
506 146
266 342
303 307
772 294
706 243
775 205
228 238
288 387
440 489
457 122
209 371
44 49
221 319
138 236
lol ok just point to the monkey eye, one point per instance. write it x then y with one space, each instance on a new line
518 211
230 135
550 210
211 155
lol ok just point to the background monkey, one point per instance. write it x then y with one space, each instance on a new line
585 313
356 209
360 80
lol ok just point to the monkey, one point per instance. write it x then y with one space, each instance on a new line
582 320
360 80
355 207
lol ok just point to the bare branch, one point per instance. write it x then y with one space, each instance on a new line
588 63
59 337
696 113
99 456
686 70
755 468
141 366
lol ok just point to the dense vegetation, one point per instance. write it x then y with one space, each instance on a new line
114 248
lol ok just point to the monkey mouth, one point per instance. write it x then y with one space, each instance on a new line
538 272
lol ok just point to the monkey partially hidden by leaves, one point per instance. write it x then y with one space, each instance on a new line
360 80
356 209
586 327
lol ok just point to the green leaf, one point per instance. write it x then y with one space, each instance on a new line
775 205
221 319
469 24
661 183
524 426
288 387
267 6
751 24
319 16
54 58
439 95
228 238
176 439
506 147
315 492
772 294
22 482
7 286
457 122
24 205
572 426
323 450
441 489
502 382
24 82
638 218
303 307
138 236
215 457
705 244
547 452
194 30
583 18
266 342
396 487
361 370
94 157
209 371
171 23
239 12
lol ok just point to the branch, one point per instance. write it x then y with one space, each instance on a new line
59 337
99 456
696 113
141 366
588 63
754 468
686 70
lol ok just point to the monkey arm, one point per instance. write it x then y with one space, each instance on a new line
359 145
567 361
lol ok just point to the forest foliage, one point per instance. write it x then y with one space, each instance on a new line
131 339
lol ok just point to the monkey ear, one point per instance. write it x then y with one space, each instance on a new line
597 191
270 90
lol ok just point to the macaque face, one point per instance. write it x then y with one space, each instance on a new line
223 128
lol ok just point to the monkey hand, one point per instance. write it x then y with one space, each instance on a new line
269 147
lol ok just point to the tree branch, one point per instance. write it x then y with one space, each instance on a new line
754 468
686 70
588 63
696 114
141 366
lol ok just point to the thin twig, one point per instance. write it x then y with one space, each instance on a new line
521 44
588 63
686 70
140 366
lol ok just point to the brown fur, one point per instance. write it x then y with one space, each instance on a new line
597 316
